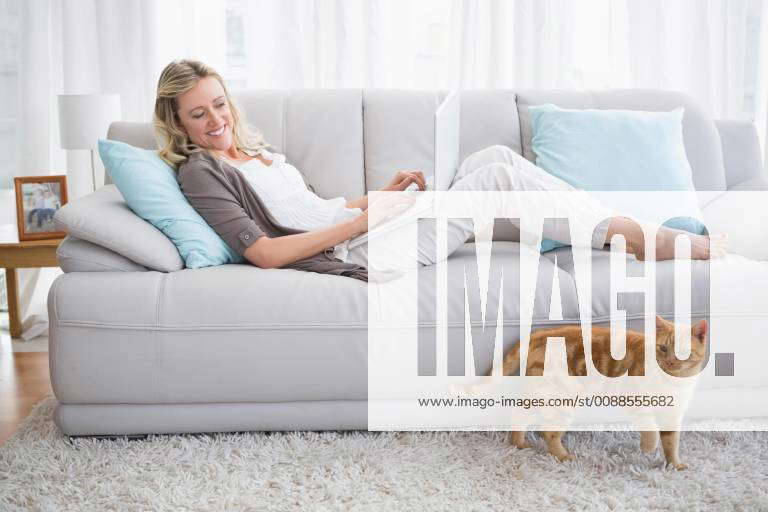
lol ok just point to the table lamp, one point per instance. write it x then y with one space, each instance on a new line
84 119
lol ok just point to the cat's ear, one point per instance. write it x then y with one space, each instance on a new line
660 323
700 330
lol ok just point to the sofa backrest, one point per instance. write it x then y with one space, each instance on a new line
398 128
319 131
349 141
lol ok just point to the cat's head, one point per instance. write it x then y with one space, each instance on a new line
665 347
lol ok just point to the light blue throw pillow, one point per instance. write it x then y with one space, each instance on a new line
150 189
617 150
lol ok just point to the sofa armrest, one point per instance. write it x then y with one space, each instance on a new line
741 213
741 151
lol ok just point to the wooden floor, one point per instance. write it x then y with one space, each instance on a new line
24 381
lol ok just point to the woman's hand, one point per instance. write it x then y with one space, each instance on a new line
387 207
404 178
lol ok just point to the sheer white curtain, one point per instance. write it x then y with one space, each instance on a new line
710 49
405 44
333 43
697 47
714 50
107 46
92 46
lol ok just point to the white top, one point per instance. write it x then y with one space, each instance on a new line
281 188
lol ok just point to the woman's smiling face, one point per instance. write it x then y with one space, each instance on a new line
204 114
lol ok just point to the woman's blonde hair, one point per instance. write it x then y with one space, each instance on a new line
177 78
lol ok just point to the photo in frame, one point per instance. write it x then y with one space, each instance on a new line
37 200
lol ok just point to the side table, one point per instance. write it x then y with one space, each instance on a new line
31 254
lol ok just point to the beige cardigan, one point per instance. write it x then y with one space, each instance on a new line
223 197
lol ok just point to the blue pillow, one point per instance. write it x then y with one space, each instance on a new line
150 189
616 150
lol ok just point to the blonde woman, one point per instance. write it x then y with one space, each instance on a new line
262 208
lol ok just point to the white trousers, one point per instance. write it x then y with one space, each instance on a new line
499 168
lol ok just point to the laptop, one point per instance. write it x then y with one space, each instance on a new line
446 155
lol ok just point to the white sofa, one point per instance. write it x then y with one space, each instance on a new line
138 344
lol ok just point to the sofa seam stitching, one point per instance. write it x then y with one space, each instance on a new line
296 326
141 404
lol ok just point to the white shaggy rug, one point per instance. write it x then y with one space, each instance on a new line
42 470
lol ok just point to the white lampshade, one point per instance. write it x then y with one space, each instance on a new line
85 118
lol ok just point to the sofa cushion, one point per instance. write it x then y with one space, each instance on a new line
324 139
104 219
634 304
77 255
319 131
238 333
489 118
399 128
150 189
399 133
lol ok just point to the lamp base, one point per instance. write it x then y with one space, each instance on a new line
80 175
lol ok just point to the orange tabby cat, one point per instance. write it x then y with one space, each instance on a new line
632 364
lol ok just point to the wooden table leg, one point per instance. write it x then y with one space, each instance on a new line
14 308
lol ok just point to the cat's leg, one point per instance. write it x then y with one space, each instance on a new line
555 445
649 440
670 442
517 438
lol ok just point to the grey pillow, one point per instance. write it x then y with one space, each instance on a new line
104 219
77 255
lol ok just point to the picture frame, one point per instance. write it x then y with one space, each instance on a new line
37 200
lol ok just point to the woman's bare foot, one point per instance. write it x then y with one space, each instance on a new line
703 247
